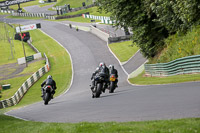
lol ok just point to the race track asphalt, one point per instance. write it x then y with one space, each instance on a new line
128 103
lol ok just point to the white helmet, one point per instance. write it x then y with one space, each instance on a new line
49 77
102 64
111 66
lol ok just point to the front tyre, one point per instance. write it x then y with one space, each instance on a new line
99 88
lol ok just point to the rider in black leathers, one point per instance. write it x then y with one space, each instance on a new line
102 68
114 71
48 81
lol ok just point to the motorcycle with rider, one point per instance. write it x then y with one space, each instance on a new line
48 89
101 80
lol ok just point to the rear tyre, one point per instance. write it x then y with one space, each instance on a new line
46 98
112 87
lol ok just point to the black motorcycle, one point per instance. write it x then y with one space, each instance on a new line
112 85
100 85
47 94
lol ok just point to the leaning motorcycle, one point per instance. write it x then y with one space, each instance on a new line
99 86
47 94
112 85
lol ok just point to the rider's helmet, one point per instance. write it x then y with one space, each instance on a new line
102 64
49 77
111 67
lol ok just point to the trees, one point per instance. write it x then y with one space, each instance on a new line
153 20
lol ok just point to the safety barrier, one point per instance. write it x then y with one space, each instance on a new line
25 86
72 9
104 20
118 39
7 11
104 36
95 17
31 45
39 15
185 65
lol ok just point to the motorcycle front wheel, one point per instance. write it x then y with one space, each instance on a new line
98 90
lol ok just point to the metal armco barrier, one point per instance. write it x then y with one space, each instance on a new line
105 20
25 86
118 39
7 11
42 15
185 65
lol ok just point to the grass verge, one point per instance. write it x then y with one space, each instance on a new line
92 11
73 3
20 17
80 19
5 48
17 82
178 46
142 80
9 124
61 68
123 50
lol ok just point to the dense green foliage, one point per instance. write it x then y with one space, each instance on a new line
178 46
153 20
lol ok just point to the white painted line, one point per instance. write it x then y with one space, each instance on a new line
117 60
15 117
130 58
67 89
123 68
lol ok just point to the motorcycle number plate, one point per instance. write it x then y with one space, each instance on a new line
112 79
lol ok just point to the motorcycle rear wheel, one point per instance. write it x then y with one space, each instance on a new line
112 87
46 98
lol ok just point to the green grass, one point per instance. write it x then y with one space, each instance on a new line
10 124
6 58
60 67
73 3
80 19
123 50
21 17
17 82
142 80
45 4
31 3
92 11
178 46
5 50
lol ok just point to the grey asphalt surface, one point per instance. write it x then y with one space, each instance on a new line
113 31
37 9
135 62
128 103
